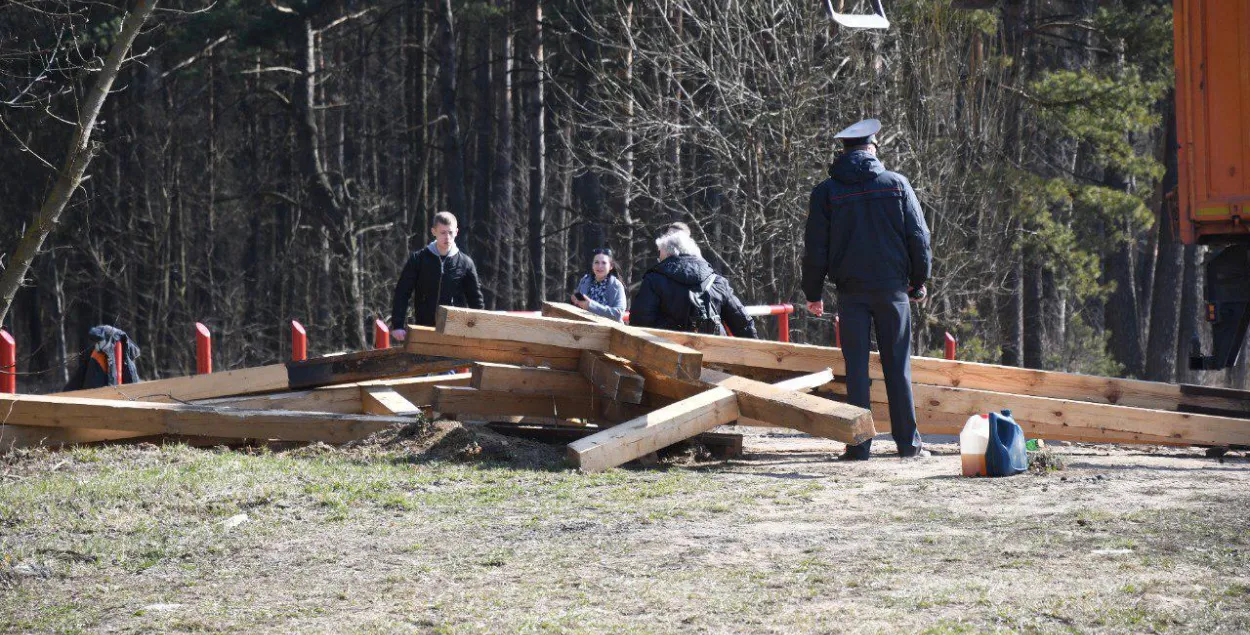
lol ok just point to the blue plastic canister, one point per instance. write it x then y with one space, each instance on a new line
1006 453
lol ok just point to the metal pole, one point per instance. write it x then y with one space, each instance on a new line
8 363
203 350
299 342
381 334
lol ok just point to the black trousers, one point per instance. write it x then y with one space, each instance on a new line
890 313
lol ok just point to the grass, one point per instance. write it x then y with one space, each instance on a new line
336 541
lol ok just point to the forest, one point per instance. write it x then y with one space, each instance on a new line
258 162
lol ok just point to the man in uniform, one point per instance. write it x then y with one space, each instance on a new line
867 233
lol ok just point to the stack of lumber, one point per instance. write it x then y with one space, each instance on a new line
613 392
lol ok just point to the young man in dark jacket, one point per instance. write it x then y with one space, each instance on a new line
437 274
664 299
866 232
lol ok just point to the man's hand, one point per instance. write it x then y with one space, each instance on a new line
399 334
582 304
816 308
919 296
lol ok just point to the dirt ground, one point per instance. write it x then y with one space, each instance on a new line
458 531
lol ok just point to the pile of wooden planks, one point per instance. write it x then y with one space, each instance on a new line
613 392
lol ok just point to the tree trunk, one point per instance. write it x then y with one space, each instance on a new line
1121 315
501 184
453 152
81 151
1191 322
1169 269
534 114
1033 336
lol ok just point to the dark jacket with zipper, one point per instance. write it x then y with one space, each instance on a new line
663 300
865 231
429 280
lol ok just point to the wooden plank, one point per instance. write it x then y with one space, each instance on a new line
340 399
807 382
795 410
419 391
425 340
522 328
661 428
160 418
636 345
943 410
957 374
612 376
723 445
471 401
520 379
384 400
243 381
365 365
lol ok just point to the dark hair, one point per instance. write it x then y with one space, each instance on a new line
603 251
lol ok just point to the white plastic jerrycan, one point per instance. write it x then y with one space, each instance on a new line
973 442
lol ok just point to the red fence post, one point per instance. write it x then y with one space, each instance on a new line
203 350
837 331
381 334
117 358
299 342
783 322
950 346
8 363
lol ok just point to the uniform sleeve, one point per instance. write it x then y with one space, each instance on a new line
919 252
734 314
616 308
816 244
646 311
403 291
472 287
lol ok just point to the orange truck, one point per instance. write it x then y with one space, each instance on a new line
1213 133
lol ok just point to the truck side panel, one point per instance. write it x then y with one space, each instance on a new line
1213 119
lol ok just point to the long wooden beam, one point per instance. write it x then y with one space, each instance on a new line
608 336
796 410
160 418
244 381
522 379
636 345
471 401
661 428
427 341
959 374
943 410
366 365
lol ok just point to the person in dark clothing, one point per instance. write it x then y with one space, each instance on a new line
437 274
666 298
867 233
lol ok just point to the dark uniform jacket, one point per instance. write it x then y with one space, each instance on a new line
435 280
663 300
865 230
